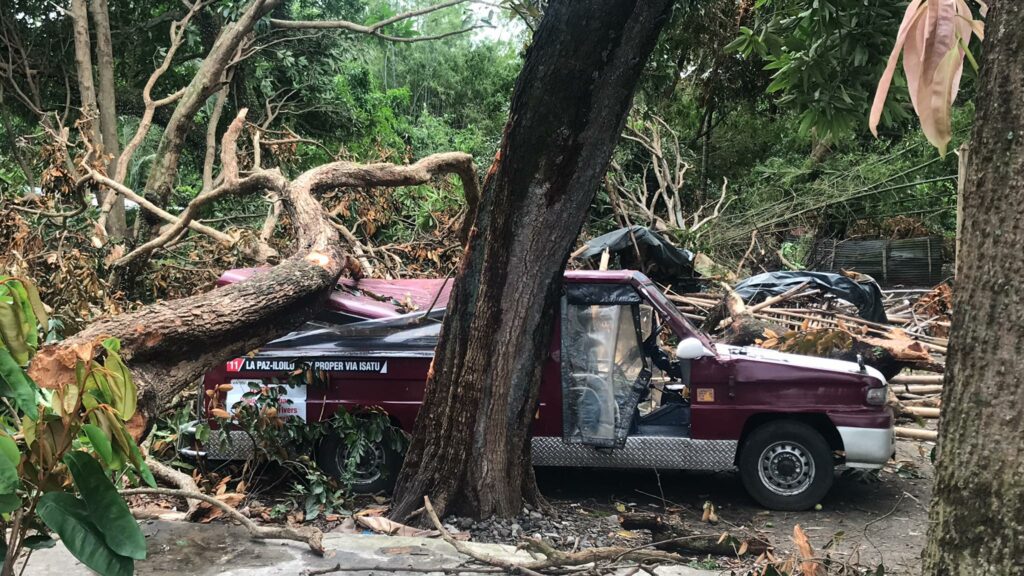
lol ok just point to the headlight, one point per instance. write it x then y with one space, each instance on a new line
877 396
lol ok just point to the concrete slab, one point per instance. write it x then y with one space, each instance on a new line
179 549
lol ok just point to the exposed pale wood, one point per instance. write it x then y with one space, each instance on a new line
922 411
917 388
917 379
915 433
181 480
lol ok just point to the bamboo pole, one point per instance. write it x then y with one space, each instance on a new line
917 379
922 411
916 433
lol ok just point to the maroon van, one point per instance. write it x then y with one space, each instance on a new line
629 383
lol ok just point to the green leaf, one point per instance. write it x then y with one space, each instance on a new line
11 332
106 507
69 518
121 383
29 322
39 542
131 450
9 448
36 303
14 383
112 345
100 443
9 503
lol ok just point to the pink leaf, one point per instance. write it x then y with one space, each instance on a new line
910 17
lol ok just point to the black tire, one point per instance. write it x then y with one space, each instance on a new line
376 471
786 465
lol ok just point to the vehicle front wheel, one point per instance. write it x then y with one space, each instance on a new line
375 471
786 465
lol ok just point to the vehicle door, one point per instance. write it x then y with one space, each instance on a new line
604 371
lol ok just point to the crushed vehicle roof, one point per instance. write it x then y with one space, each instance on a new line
374 298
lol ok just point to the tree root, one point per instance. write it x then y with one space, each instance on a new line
310 536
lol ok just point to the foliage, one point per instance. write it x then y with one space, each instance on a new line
287 441
63 444
934 38
825 58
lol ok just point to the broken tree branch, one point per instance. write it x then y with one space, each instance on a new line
376 28
183 481
310 536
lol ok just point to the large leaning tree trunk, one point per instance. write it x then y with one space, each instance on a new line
469 451
168 345
977 512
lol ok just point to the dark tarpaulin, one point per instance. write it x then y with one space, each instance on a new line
866 297
660 260
413 334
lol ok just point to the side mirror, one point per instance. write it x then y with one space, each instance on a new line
691 349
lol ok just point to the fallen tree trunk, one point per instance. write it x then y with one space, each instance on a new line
168 345
671 535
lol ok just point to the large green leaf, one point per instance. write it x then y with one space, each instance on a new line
100 443
15 384
9 480
69 518
106 507
9 503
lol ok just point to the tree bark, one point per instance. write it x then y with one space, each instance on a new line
977 512
205 82
106 101
469 451
168 345
83 64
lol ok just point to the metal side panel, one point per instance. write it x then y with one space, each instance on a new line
239 446
639 452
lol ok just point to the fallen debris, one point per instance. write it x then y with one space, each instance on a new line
671 535
553 558
312 537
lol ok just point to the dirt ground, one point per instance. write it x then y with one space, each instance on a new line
869 519
866 520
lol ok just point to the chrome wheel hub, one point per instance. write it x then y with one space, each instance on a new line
786 468
369 467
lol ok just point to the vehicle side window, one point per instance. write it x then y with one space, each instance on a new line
602 363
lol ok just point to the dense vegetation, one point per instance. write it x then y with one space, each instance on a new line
770 96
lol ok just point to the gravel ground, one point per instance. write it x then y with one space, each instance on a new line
869 519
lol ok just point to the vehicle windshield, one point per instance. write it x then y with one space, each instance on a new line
679 322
